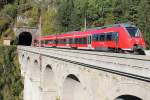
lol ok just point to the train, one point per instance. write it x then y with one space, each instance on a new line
124 38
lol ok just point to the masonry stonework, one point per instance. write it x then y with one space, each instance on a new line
47 78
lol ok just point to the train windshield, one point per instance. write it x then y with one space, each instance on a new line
133 31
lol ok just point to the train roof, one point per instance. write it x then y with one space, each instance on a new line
129 24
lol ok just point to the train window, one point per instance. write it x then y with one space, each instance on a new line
102 37
109 36
81 40
114 36
56 41
76 40
84 40
62 41
59 41
99 37
49 41
132 31
35 41
46 42
42 42
70 41
95 37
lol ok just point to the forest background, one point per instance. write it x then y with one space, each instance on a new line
69 15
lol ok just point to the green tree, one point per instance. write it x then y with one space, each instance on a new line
143 20
49 22
9 10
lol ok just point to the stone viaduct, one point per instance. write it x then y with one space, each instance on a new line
62 74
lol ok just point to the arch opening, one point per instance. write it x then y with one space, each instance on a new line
28 58
128 97
73 89
71 76
35 62
48 83
34 71
25 38
22 57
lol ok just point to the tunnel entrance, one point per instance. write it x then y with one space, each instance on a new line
25 38
128 97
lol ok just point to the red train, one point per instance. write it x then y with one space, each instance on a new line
118 37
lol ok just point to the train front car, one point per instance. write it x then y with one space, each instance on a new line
136 40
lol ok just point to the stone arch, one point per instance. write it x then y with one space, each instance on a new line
35 78
22 62
73 89
28 65
22 56
35 71
48 82
25 38
27 80
128 97
28 59
124 90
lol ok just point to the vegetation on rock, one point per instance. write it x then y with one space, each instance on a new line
10 78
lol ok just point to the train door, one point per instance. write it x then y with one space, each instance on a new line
67 42
116 37
89 41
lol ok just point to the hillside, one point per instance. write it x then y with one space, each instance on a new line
69 15
11 83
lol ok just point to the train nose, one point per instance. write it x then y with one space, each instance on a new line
138 42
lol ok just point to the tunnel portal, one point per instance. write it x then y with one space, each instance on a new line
25 38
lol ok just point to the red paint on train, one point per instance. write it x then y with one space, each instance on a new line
125 37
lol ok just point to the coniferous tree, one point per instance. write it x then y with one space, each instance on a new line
143 20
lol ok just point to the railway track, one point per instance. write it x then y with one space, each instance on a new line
98 53
116 58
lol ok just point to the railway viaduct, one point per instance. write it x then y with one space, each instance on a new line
62 74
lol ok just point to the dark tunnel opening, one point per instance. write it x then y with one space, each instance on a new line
25 38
